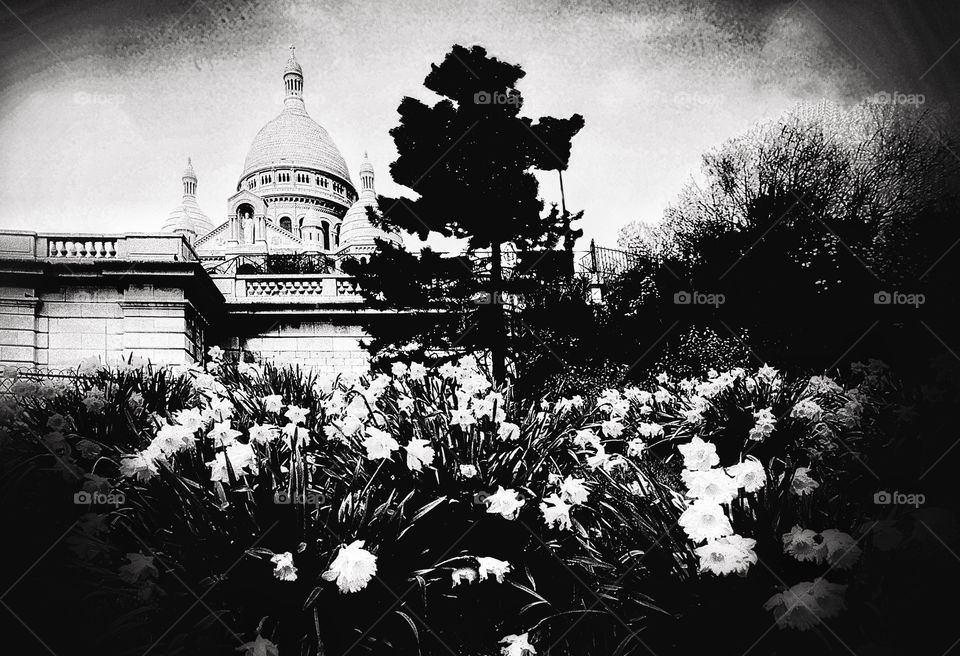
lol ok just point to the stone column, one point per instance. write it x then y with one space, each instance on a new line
21 336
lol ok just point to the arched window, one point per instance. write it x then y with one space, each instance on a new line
286 224
325 227
336 235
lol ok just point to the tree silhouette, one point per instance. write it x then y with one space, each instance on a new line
470 159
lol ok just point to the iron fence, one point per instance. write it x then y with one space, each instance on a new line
12 374
272 263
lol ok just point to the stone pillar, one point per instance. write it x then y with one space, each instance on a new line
233 231
20 332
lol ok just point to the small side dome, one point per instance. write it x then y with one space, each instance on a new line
187 217
311 219
356 231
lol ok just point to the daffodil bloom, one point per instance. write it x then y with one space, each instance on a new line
842 549
516 645
379 444
504 502
710 485
417 371
284 569
806 409
729 555
508 431
463 575
419 453
141 466
191 419
138 568
296 414
241 456
222 434
802 484
353 568
573 490
699 455
556 513
748 474
272 402
802 544
704 520
259 647
492 567
263 433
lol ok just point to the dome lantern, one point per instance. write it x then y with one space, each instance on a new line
292 81
189 180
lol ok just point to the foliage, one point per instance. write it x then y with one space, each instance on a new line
798 225
470 159
246 489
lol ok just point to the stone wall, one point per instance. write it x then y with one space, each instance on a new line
67 298
325 346
61 327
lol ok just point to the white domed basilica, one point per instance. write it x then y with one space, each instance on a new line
263 283
295 194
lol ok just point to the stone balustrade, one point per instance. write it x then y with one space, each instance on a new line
289 287
19 245
82 248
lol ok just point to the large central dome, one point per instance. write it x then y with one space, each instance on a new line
293 139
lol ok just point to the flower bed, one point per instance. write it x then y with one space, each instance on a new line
255 508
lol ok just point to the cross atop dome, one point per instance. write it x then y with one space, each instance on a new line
293 76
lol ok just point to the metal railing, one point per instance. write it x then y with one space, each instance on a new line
10 377
310 263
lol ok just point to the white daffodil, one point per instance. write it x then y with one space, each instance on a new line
379 444
284 568
419 454
504 502
556 513
353 568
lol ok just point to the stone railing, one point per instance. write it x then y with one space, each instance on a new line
58 246
85 249
293 287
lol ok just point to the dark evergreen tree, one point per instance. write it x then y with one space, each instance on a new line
470 158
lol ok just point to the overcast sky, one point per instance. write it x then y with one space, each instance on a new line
102 102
